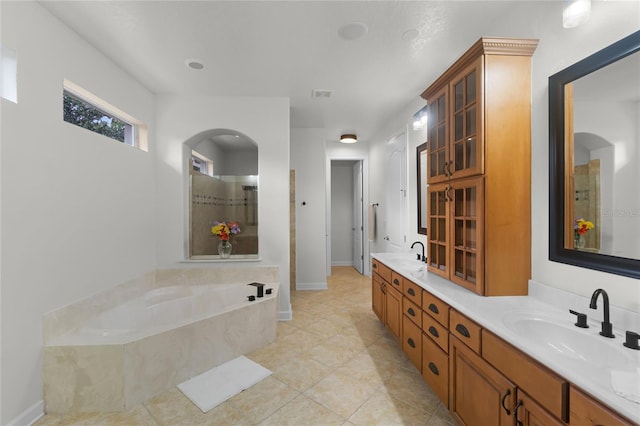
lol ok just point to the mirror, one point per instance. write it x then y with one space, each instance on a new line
223 188
594 161
421 155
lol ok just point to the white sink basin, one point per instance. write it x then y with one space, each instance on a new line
558 335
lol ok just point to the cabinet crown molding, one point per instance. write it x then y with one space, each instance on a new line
484 46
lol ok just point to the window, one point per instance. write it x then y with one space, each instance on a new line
86 110
201 164
8 75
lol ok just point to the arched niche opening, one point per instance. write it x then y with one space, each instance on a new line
223 187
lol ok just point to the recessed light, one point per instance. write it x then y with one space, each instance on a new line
194 64
353 31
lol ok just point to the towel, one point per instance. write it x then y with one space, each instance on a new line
372 222
626 383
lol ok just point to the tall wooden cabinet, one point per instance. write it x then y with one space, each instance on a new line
479 168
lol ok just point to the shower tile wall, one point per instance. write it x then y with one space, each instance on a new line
215 200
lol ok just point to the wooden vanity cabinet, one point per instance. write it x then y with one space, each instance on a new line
477 391
587 411
386 300
480 125
529 413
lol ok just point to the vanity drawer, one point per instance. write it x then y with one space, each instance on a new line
435 307
412 311
549 390
396 280
464 329
412 342
381 269
436 331
586 411
413 292
435 369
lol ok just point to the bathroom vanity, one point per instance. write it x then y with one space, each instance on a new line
493 359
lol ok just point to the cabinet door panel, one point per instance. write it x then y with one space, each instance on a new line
437 137
586 411
435 368
393 311
438 215
476 390
466 242
377 296
530 413
412 342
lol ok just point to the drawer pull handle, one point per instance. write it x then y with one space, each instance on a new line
411 343
411 312
433 331
411 292
504 398
434 369
462 330
396 282
375 266
433 308
515 413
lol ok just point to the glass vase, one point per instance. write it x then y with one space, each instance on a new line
579 241
224 249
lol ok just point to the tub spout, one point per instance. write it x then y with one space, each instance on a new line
259 287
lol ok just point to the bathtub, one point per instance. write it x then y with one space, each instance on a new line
130 352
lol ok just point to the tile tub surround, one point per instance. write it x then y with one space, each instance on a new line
490 312
116 376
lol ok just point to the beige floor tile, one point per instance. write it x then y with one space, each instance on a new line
284 328
271 355
324 328
381 409
408 386
48 420
299 341
263 399
303 411
331 355
171 407
222 415
301 373
134 417
301 319
441 417
340 393
365 369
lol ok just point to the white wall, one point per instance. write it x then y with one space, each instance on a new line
342 194
77 207
265 121
307 159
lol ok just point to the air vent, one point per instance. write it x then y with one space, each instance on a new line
318 93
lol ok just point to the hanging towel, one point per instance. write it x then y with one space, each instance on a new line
372 221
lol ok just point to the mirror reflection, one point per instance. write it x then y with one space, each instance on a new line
421 154
223 189
602 137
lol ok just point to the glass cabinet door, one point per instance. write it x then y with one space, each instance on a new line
466 147
438 201
466 249
437 137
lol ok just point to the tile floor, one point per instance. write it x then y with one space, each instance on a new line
334 364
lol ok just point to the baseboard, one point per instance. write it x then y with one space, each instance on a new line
342 263
311 286
29 416
285 315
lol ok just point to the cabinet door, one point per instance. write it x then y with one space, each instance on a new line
467 229
438 217
377 296
466 148
586 411
478 393
530 413
437 137
393 311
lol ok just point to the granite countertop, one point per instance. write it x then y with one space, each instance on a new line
498 314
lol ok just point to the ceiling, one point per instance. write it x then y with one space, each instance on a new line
290 48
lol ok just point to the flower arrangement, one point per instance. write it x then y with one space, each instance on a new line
581 226
224 230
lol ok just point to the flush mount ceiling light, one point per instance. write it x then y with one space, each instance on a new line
348 138
575 12
194 64
353 31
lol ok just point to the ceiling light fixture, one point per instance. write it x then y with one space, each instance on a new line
348 138
575 12
420 118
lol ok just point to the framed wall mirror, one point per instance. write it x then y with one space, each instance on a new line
594 161
421 155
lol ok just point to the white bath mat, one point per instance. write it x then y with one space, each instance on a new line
215 386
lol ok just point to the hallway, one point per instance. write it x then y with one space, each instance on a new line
334 364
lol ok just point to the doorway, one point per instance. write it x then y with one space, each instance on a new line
346 244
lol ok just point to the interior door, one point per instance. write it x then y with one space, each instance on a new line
358 211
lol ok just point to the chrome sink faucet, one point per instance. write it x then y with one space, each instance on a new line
607 327
422 258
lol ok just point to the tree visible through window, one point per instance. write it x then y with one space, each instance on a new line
83 114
